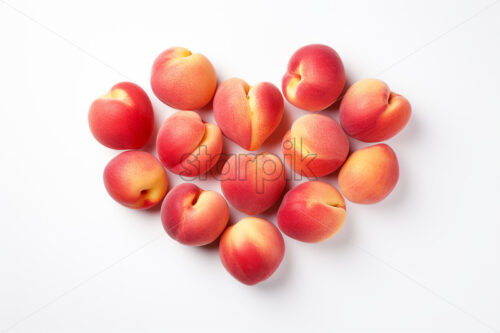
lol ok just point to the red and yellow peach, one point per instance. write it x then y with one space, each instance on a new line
315 146
193 216
253 183
315 78
312 212
136 179
187 146
370 112
123 118
183 80
251 250
369 174
247 114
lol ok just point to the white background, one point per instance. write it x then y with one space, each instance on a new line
425 259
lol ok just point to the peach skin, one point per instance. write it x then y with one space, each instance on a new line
123 118
315 146
183 80
247 114
193 216
370 112
135 179
312 212
187 146
253 183
369 174
251 250
314 79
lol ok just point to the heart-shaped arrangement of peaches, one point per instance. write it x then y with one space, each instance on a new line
315 146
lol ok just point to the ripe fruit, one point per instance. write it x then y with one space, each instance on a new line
135 179
315 146
251 250
247 114
183 80
369 174
370 112
312 212
193 216
122 118
253 183
314 79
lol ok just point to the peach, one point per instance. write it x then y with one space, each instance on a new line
136 179
183 80
315 146
193 216
253 183
187 146
122 118
314 79
370 112
369 174
251 250
312 212
247 114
